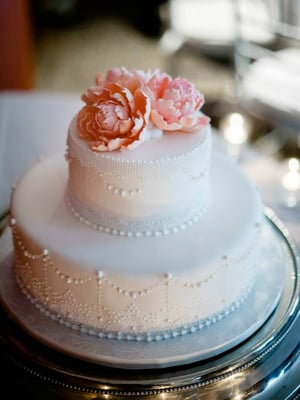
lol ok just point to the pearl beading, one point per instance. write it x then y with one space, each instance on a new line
138 197
77 311
152 336
103 222
105 164
123 192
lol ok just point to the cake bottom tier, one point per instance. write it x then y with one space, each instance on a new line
135 288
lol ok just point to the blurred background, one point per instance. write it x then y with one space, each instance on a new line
244 55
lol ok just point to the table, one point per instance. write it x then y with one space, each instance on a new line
34 124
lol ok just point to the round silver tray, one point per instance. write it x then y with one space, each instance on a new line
235 361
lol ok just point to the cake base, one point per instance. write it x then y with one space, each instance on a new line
210 342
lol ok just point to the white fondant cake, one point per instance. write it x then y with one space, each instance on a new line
142 242
160 186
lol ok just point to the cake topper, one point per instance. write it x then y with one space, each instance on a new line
127 108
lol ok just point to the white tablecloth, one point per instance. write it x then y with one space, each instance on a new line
32 124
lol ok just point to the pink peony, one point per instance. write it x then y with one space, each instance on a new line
128 107
125 77
115 117
120 76
175 104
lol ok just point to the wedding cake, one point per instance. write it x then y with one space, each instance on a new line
143 231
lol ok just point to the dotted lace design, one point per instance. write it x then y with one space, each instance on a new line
103 221
80 301
141 336
105 164
127 184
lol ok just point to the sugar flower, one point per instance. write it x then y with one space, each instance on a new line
126 108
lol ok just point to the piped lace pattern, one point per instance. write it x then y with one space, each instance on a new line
103 221
97 303
104 191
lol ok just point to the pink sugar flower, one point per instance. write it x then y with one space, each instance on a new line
127 108
125 77
175 104
114 117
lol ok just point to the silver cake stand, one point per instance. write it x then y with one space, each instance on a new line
254 353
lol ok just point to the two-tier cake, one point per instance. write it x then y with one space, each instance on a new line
143 231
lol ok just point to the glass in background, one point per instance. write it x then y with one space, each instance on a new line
268 65
267 73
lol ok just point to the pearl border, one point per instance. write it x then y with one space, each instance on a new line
135 234
140 336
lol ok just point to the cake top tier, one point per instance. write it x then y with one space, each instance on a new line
127 108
